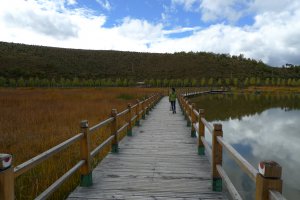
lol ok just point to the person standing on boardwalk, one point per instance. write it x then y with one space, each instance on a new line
169 92
172 99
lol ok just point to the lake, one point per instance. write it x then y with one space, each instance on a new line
260 127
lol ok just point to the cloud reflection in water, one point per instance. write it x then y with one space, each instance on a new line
271 135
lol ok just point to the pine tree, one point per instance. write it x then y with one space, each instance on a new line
203 82
21 82
2 81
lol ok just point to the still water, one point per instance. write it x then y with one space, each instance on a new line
260 127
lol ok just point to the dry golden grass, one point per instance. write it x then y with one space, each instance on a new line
34 120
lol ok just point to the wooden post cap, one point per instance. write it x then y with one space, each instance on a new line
129 105
84 124
217 127
113 112
201 111
5 161
269 169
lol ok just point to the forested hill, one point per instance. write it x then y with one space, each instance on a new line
19 60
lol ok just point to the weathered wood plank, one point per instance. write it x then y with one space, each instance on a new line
160 161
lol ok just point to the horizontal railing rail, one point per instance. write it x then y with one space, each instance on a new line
24 167
267 177
8 173
240 160
101 124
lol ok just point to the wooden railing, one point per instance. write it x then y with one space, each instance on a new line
132 114
268 176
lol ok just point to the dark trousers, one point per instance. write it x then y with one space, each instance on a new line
173 105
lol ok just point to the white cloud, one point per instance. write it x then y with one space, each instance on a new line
217 10
261 6
140 30
181 30
104 4
273 38
71 2
221 10
187 4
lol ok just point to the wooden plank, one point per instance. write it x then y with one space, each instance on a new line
160 161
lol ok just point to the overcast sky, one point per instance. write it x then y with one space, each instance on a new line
267 30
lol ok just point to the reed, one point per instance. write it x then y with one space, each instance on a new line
34 120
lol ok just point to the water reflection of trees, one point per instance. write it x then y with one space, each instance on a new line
235 106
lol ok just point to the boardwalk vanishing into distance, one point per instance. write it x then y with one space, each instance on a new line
160 161
164 157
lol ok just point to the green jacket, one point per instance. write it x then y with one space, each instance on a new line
172 96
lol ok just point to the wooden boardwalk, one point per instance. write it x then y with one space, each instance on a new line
159 161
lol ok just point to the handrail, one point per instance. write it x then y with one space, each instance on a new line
123 112
24 167
59 181
101 146
133 118
275 195
196 113
231 189
268 170
122 128
101 124
207 125
242 162
86 153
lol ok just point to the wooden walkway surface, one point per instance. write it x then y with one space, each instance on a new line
159 161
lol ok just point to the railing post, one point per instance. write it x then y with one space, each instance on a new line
152 103
216 157
268 178
184 106
129 117
114 131
201 131
86 178
6 177
143 109
186 110
193 117
179 100
188 113
137 112
148 101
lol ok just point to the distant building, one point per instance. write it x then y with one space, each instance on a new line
141 84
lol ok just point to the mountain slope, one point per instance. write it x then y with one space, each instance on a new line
19 60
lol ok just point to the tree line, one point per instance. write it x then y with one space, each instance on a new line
202 82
